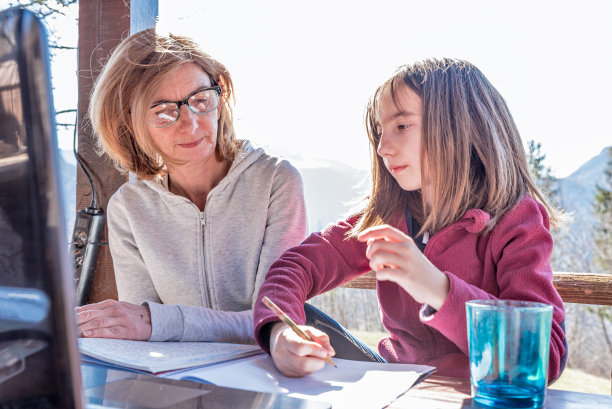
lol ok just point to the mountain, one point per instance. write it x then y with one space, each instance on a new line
573 243
578 189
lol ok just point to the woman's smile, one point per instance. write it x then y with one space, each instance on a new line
191 144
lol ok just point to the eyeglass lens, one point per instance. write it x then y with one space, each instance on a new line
167 113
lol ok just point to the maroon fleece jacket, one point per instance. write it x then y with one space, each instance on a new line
510 262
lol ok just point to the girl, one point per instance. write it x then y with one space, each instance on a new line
453 216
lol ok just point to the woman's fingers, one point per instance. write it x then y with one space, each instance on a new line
115 332
97 306
101 322
114 319
94 312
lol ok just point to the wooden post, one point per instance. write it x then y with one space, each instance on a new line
102 25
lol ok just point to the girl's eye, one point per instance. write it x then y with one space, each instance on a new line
402 127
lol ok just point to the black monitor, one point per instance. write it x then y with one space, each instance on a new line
39 361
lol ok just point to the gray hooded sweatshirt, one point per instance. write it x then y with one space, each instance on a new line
199 272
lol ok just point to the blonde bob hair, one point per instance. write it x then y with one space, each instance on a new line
125 88
474 152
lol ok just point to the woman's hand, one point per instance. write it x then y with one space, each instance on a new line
296 357
114 319
395 257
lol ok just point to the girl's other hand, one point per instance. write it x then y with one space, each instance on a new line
395 257
294 356
114 319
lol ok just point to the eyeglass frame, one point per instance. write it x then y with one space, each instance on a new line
214 87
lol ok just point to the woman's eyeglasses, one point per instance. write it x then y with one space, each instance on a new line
201 102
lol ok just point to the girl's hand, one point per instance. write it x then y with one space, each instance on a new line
296 357
114 319
395 257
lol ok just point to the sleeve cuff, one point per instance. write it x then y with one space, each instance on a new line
429 315
166 322
427 312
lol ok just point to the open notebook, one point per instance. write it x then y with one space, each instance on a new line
351 384
158 357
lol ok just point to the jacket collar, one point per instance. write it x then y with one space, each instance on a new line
245 156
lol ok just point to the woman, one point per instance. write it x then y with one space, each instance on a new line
193 237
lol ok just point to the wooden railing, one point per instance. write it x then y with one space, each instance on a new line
573 287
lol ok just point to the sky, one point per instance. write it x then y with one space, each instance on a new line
303 71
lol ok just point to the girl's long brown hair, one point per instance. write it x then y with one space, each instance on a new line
475 154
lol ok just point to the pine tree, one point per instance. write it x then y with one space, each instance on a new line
603 211
43 8
603 241
541 173
547 184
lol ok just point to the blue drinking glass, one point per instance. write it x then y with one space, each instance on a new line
509 343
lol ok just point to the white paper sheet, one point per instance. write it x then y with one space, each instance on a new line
353 384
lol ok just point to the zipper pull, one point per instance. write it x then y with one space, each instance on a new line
202 221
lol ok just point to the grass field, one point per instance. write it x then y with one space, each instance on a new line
571 379
578 381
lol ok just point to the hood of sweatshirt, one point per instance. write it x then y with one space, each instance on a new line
246 155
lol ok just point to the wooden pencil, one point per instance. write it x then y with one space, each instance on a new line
285 318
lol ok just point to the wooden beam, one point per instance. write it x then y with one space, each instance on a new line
366 281
573 287
584 288
102 25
